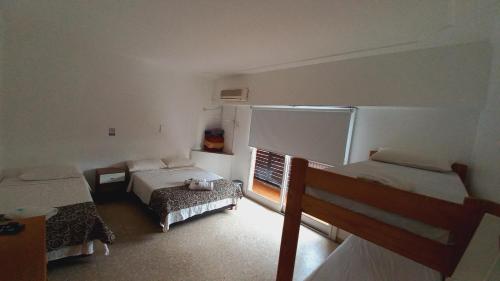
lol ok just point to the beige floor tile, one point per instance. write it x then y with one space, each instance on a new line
227 245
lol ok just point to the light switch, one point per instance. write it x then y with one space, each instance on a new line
111 132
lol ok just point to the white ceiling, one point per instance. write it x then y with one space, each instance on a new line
235 36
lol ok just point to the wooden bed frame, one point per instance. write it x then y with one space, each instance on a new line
461 220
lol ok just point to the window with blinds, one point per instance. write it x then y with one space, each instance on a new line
269 167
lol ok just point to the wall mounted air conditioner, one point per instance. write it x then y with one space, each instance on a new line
234 95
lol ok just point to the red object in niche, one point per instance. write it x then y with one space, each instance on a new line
214 140
218 139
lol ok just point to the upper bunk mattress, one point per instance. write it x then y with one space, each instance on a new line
445 186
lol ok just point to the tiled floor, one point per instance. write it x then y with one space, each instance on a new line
228 245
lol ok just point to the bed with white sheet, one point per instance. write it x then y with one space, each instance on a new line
357 259
445 186
73 226
164 191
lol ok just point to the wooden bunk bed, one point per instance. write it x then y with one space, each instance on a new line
460 220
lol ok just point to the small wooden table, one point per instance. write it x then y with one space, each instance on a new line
23 255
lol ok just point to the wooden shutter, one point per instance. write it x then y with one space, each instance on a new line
269 167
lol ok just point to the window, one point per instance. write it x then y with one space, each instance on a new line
269 167
281 133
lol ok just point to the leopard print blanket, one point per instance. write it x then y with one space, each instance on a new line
170 199
76 224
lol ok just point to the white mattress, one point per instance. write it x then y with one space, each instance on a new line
16 193
145 182
357 259
446 186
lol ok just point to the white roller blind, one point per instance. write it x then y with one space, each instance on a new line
315 134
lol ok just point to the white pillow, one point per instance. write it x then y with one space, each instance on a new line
145 165
405 158
178 162
49 173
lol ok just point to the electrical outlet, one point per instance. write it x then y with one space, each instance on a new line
111 132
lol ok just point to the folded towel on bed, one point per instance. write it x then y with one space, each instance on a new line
200 184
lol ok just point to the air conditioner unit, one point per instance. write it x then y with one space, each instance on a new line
234 95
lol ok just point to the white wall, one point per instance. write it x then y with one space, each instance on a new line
433 131
217 163
61 98
444 76
2 65
242 152
211 118
64 123
486 156
228 122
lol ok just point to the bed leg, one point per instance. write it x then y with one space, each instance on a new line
165 228
106 249
234 207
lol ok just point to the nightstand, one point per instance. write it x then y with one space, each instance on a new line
110 182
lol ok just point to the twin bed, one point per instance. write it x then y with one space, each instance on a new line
165 192
408 223
73 227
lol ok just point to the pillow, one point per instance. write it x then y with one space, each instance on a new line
178 162
404 158
49 173
145 165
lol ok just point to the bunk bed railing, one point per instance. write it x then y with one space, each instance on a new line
460 220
